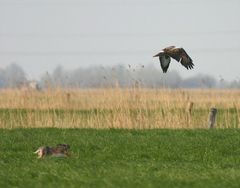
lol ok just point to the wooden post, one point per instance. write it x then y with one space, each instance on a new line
190 107
212 117
68 97
189 112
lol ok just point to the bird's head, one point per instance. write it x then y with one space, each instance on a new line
159 54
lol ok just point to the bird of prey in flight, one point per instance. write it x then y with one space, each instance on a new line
179 54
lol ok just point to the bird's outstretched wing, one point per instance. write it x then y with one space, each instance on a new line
181 56
164 62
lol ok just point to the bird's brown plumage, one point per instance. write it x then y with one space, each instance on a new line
179 54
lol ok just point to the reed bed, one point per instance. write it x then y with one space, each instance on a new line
135 108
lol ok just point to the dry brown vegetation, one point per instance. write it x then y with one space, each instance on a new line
118 108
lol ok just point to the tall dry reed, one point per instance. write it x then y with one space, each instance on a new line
118 108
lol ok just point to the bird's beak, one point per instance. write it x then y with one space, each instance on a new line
160 53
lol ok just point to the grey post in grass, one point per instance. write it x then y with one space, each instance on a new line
212 117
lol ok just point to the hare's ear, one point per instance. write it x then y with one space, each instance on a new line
36 151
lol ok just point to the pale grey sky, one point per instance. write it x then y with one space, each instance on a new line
41 34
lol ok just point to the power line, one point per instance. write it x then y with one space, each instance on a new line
71 53
118 35
109 53
106 2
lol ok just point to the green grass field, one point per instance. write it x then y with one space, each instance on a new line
122 158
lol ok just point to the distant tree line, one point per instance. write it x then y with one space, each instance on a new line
13 76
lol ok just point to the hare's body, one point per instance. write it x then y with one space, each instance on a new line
61 150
